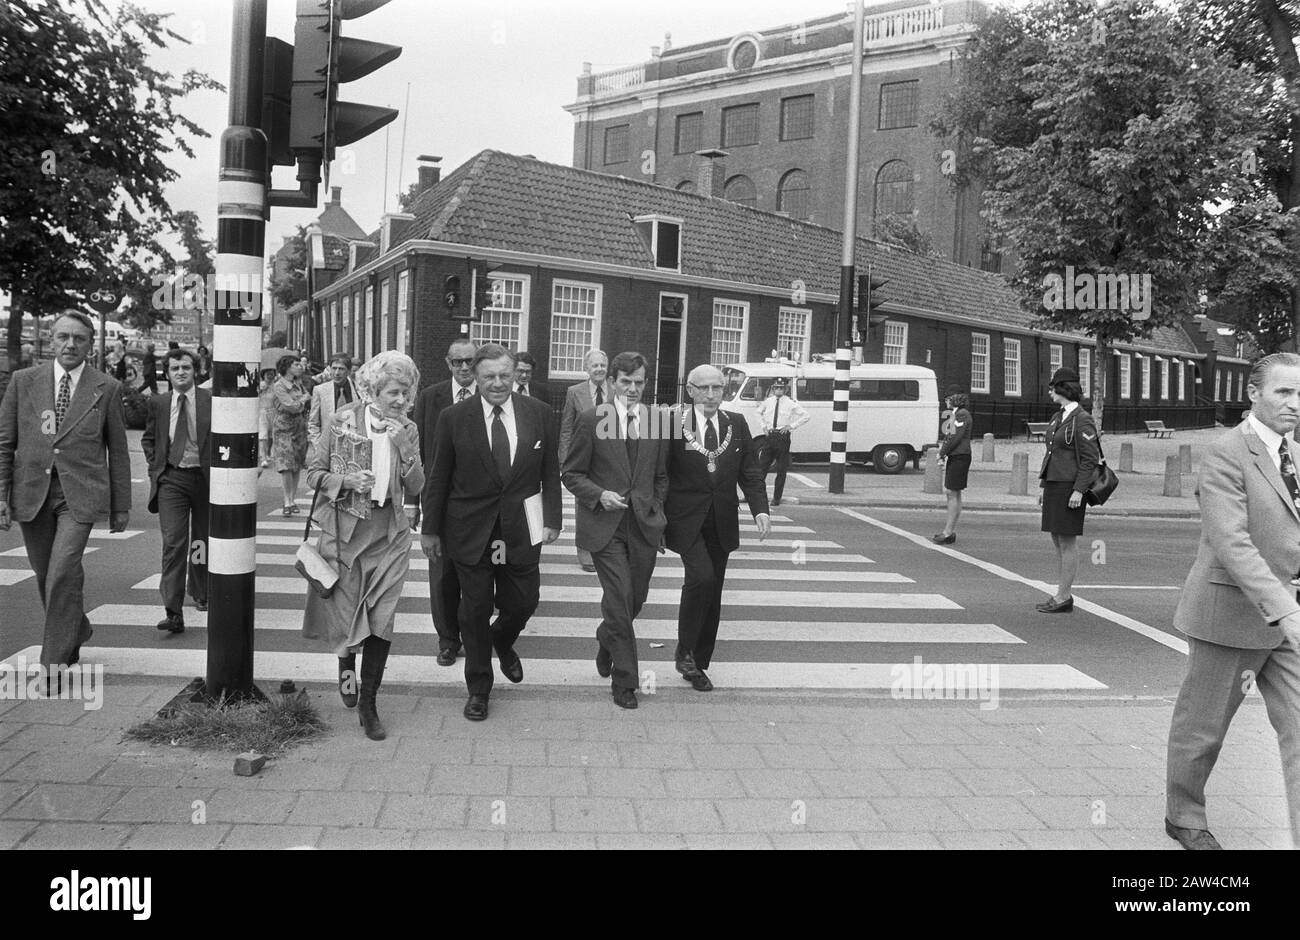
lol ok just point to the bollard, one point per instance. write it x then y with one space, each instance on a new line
1019 474
933 482
1185 457
988 455
1126 457
1173 478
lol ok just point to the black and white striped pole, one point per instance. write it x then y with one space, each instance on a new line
844 315
236 361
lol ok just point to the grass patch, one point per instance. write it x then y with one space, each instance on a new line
270 727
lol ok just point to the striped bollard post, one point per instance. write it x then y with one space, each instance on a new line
840 420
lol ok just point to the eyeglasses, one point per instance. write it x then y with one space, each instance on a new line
461 362
709 389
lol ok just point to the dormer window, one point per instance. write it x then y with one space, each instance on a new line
663 237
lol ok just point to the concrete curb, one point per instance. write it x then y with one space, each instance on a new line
856 501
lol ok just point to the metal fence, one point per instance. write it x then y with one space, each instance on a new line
1008 419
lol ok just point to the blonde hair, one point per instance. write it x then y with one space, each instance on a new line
388 366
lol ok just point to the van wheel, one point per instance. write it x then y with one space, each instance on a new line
890 458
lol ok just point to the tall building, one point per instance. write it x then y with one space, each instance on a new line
776 103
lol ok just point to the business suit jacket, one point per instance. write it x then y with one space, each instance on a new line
322 407
157 439
1072 450
428 405
598 461
539 390
93 427
577 400
693 491
1238 586
465 495
402 489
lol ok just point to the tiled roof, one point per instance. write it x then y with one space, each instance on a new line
498 200
336 221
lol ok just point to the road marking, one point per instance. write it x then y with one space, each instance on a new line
116 536
21 551
569 510
1128 587
806 481
10 576
581 673
566 545
1128 623
744 527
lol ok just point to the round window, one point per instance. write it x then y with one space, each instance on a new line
744 56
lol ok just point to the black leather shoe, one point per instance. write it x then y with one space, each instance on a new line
604 665
591 569
1054 607
1192 839
476 708
941 539
625 698
172 624
686 665
513 668
200 605
776 502
700 682
446 657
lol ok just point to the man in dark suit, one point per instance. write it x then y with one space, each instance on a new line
617 470
495 464
149 370
175 445
444 588
63 465
579 398
525 384
711 453
1239 606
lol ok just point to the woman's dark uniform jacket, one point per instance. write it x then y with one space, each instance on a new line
1072 450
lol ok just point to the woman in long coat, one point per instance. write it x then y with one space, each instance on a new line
290 409
372 555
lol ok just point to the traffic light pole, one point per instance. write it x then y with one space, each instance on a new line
236 358
844 314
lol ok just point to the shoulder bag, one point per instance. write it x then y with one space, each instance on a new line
311 564
1104 479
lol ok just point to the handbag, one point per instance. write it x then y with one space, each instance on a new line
311 564
1104 479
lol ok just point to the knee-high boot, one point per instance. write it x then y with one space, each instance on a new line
374 655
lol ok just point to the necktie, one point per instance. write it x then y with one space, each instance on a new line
63 401
776 415
500 444
523 389
710 437
600 396
1288 473
182 435
463 394
342 395
632 437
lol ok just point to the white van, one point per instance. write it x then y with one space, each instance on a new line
893 410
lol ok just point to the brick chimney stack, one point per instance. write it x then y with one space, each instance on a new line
431 174
710 172
336 195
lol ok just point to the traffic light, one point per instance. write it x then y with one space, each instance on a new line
482 287
322 60
451 296
869 301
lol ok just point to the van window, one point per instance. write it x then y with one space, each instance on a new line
815 389
884 390
732 380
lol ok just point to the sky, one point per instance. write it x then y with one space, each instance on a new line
482 74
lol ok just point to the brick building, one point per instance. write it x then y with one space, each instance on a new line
777 102
579 259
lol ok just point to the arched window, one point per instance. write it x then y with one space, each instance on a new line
740 189
686 186
793 194
893 189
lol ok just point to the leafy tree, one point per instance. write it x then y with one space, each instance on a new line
288 277
142 312
87 125
902 230
1101 133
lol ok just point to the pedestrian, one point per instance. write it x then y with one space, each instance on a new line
579 398
778 416
288 419
372 553
265 405
63 465
1239 606
525 384
176 448
444 585
617 470
495 472
149 370
713 455
205 366
1069 464
955 456
335 393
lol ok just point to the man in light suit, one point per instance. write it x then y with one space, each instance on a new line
175 445
492 452
63 464
444 588
1239 607
711 454
579 398
617 470
329 396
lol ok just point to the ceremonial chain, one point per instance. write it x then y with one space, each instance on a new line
711 455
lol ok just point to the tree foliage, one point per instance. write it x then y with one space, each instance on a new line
86 129
288 270
902 230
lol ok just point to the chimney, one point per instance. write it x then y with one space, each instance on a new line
429 175
710 172
336 195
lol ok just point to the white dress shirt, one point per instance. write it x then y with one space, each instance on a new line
191 423
604 390
700 422
507 418
457 389
792 413
381 457
1272 440
60 372
622 410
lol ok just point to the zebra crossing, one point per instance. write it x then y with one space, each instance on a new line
799 612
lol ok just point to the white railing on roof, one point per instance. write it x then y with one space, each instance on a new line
903 25
618 79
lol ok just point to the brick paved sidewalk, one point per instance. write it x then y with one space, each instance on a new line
566 768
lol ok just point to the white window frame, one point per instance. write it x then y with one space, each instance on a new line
331 334
975 385
1144 369
403 302
476 332
1008 371
1164 377
653 221
552 372
1125 376
806 333
1085 371
385 311
1182 379
368 328
886 345
345 334
1055 358
1241 386
742 352
1218 384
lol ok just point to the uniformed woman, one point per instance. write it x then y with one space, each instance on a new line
1068 468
